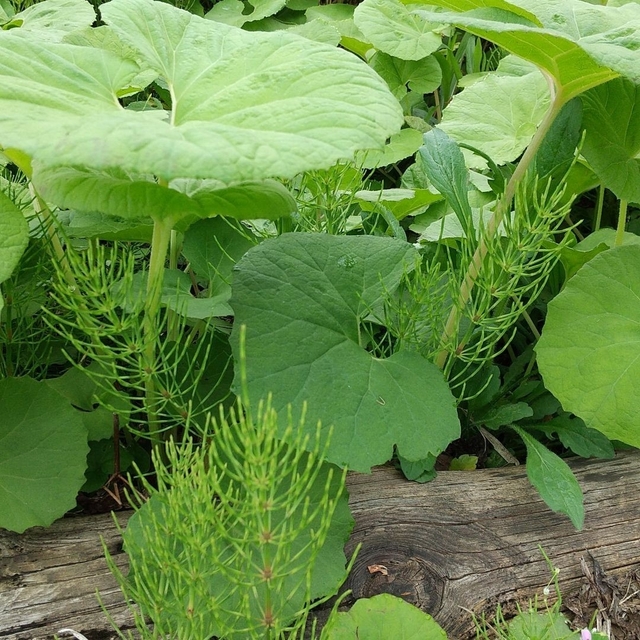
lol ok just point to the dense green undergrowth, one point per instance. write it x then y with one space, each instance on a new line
414 224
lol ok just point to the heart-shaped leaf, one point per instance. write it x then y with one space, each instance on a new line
303 299
292 105
498 114
391 28
423 76
589 352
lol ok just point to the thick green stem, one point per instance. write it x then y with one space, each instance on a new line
175 247
502 208
622 223
159 247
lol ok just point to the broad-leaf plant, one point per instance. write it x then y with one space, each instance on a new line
352 234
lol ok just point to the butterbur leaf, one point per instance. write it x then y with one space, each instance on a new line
52 19
423 76
136 197
264 8
93 224
391 28
231 123
465 462
444 165
553 479
606 237
574 258
402 202
314 291
382 617
43 450
612 141
589 352
498 115
578 44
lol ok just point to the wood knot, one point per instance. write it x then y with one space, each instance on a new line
408 577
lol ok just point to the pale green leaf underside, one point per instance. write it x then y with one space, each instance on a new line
301 297
43 449
580 45
498 115
380 618
246 105
133 197
589 352
391 28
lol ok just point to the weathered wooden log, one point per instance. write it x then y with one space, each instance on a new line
468 540
460 543
49 578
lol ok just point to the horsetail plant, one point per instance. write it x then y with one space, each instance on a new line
233 541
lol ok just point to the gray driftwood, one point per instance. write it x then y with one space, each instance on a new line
462 542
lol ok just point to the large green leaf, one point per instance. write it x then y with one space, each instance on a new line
290 105
43 450
579 45
612 142
391 28
303 298
589 352
131 196
498 115
380 618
